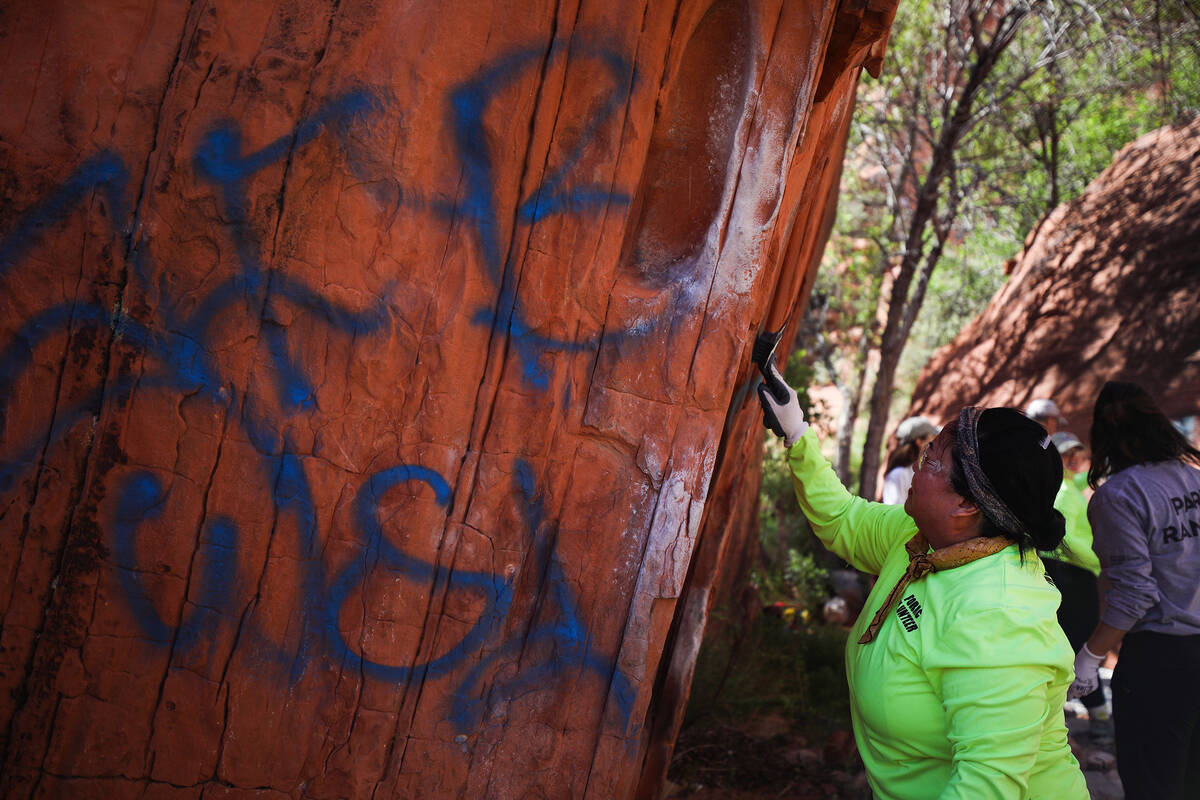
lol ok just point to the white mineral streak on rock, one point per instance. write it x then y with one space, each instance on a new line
755 209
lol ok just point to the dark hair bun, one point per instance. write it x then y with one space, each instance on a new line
1050 533
1025 469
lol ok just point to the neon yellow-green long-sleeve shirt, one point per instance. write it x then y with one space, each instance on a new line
1076 547
961 693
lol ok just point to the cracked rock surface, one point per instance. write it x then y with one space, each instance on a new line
374 415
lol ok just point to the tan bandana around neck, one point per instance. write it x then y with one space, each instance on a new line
921 563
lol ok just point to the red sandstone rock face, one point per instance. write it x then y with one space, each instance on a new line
1106 289
366 373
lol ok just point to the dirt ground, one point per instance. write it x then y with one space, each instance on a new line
761 759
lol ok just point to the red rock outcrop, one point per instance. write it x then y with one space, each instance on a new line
374 414
1106 288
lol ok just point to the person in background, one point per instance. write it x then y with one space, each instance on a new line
1074 567
957 667
1145 515
1046 413
911 435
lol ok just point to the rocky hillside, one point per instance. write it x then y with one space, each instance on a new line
1107 287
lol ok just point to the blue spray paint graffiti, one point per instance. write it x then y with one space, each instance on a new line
468 102
142 499
379 553
104 171
182 345
219 159
563 637
178 349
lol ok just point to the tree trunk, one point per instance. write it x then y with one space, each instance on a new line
903 310
847 419
890 350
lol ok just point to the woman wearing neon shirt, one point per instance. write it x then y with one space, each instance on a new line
957 667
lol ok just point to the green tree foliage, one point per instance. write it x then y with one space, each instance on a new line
989 115
1120 70
841 324
788 668
789 564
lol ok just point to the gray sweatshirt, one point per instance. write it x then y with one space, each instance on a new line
1146 524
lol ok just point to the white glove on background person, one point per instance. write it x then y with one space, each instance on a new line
1087 674
784 416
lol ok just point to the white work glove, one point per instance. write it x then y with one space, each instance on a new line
781 409
1087 675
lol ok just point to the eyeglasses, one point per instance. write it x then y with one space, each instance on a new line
924 460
